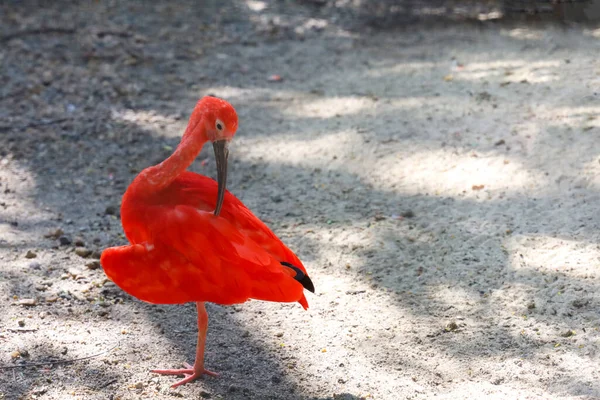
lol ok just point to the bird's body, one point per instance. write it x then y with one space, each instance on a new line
180 251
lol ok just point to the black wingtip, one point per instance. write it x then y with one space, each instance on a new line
307 283
301 277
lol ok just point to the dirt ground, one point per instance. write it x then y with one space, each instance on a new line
440 182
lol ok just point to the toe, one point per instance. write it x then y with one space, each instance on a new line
185 380
211 373
173 371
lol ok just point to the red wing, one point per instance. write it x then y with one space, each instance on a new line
195 256
201 192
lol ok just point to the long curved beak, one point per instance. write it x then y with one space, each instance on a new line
221 148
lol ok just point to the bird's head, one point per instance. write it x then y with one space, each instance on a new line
215 120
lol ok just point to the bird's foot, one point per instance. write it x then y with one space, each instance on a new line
190 373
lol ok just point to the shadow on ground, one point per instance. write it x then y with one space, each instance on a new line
115 101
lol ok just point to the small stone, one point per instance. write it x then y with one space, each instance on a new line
52 299
93 265
21 322
139 385
451 326
40 391
54 234
28 302
47 77
64 240
74 272
408 214
83 252
568 333
34 265
78 241
43 314
65 295
275 379
279 334
578 303
276 199
531 305
30 254
110 210
205 395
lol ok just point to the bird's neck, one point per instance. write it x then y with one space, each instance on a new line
160 176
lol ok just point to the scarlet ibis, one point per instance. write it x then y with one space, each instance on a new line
191 240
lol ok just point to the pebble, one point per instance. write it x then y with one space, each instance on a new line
47 77
93 265
74 272
64 240
51 299
30 254
78 241
21 323
28 302
43 314
83 252
578 303
451 326
39 391
110 210
35 265
568 333
54 234
408 214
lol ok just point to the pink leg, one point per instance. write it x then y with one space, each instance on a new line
192 373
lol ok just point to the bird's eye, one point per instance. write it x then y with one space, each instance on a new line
219 125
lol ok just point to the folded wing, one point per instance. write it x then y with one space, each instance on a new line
195 256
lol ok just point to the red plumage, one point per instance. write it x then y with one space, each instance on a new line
181 251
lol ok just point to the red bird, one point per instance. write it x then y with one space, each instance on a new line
193 241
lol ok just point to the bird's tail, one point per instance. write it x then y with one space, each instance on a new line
302 277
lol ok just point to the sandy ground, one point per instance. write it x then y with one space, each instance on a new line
441 185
